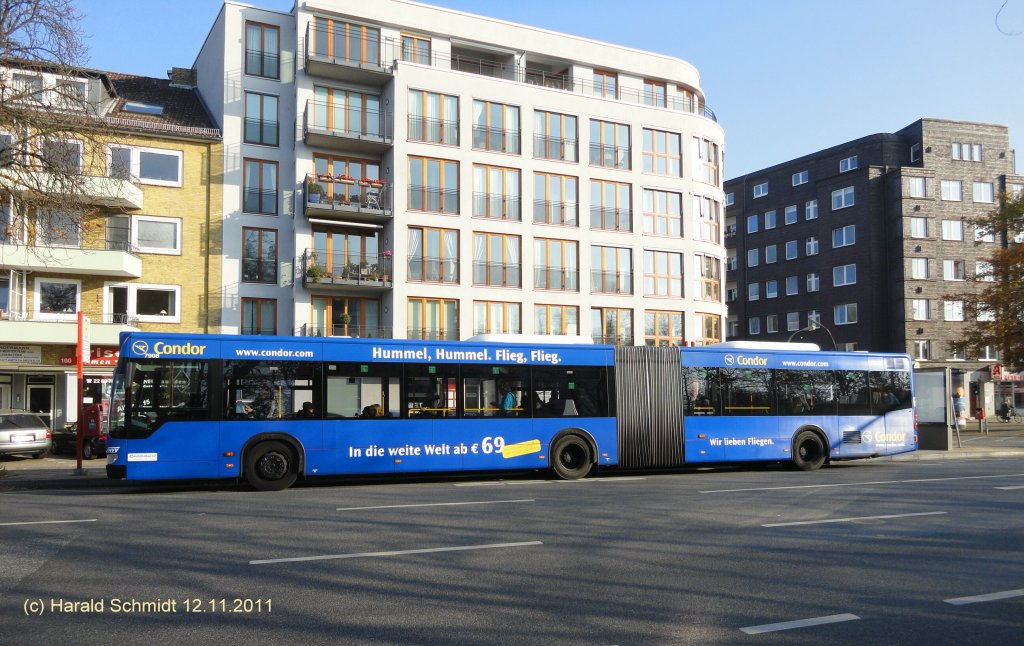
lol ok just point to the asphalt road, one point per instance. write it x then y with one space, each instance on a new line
878 552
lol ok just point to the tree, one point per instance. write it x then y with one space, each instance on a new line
996 309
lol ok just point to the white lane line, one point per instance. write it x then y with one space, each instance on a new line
1009 488
860 484
49 522
800 623
432 550
981 598
852 519
516 483
435 504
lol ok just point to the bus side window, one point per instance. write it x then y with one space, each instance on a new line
700 391
356 390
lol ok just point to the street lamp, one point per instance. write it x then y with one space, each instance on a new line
811 327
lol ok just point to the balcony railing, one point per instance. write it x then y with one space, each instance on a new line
327 55
611 219
343 329
500 140
622 338
434 270
557 278
433 131
350 126
426 198
611 156
496 206
496 274
548 212
255 200
555 148
326 194
611 282
433 334
370 270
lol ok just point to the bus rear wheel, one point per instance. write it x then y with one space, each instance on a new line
271 466
570 457
808 451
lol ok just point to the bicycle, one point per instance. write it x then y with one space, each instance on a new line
1011 416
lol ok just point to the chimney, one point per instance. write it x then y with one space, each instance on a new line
182 77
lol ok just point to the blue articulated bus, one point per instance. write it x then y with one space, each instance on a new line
270 410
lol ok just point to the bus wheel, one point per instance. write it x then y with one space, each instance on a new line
570 457
271 466
808 451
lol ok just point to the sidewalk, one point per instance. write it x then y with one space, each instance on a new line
58 471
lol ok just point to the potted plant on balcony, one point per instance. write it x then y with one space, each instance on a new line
315 193
314 272
369 181
344 178
345 318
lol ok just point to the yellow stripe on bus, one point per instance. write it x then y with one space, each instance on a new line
521 448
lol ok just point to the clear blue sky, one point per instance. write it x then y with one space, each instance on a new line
785 77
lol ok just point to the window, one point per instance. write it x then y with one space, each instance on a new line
496 193
800 178
791 215
813 282
842 198
61 155
152 234
556 264
952 190
495 127
730 199
709 280
811 246
753 291
707 215
771 289
966 152
663 213
610 206
985 314
259 255
433 255
953 269
346 112
27 87
554 136
497 260
154 166
332 166
918 227
259 187
769 220
416 49
770 254
952 230
919 268
918 186
983 234
493 317
922 349
983 271
663 328
654 93
663 274
58 229
611 270
731 263
791 250
662 153
346 43
848 164
57 299
754 325
433 117
845 314
760 190
606 84
433 185
612 325
259 316
433 319
555 199
989 353
706 161
556 319
261 119
138 107
811 210
792 321
609 145
792 286
953 310
844 275
143 303
686 100
983 192
751 224
733 329
731 295
915 153
844 236
262 50
752 257
772 323
920 309
813 316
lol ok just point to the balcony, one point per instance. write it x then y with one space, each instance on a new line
84 189
433 131
345 329
496 274
49 332
556 278
328 125
434 270
346 199
340 272
325 60
116 260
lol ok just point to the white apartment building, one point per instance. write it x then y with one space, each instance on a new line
401 170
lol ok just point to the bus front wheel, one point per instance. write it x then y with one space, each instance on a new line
271 466
808 451
570 457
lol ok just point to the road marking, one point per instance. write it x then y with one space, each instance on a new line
49 522
517 483
432 550
435 504
1009 488
850 520
861 484
800 623
981 598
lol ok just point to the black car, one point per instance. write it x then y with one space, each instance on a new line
94 446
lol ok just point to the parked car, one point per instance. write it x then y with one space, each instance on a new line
22 432
93 446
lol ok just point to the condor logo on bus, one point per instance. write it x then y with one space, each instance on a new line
161 348
741 360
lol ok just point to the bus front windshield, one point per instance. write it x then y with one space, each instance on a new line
148 393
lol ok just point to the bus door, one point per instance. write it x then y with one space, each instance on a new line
430 405
892 404
859 426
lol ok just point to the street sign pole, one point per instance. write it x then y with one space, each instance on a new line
84 351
